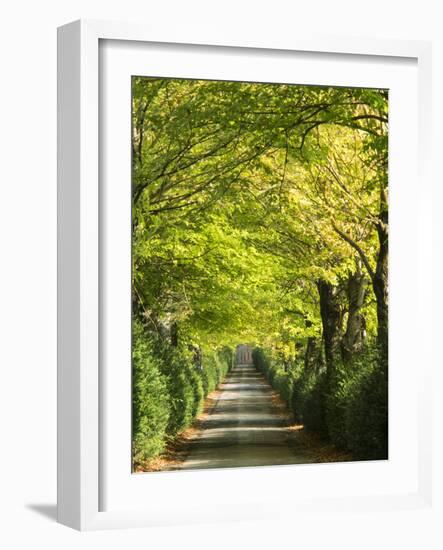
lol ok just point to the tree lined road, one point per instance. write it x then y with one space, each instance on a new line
259 215
244 428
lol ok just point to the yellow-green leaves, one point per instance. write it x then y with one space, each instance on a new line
244 196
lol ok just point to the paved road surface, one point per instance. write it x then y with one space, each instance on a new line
244 427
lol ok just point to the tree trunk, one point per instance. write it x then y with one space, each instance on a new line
332 317
310 353
313 354
380 284
380 278
353 339
174 334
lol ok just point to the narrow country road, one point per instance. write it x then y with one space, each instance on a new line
244 428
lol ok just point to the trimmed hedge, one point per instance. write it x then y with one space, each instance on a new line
183 391
151 402
357 407
308 401
280 379
168 390
348 406
366 419
215 367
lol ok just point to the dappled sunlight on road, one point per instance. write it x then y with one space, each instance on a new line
244 428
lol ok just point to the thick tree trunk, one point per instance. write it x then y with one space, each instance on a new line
332 318
380 284
380 277
354 336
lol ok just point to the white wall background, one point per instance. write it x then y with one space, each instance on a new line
28 267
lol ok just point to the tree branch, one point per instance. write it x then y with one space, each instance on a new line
374 117
356 247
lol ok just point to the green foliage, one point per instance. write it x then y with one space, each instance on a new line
183 389
308 400
350 407
245 197
215 368
238 197
357 406
151 400
168 390
262 363
281 380
366 419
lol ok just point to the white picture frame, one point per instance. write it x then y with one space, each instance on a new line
81 413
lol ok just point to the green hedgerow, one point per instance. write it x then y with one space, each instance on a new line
215 367
179 375
151 403
357 406
366 419
308 400
348 405
281 379
168 390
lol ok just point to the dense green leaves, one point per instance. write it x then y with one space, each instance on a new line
248 199
151 401
168 390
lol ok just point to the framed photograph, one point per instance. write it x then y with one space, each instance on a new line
240 223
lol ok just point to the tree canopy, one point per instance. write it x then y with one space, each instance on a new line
260 216
245 196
